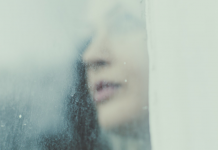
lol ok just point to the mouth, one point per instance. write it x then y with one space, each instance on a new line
105 90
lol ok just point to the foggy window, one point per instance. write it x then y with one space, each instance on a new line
108 75
116 67
74 75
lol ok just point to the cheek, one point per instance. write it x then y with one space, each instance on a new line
137 89
135 70
128 106
133 56
136 93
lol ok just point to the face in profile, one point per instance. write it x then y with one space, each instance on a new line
117 64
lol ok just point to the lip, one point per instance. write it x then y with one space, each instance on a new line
104 90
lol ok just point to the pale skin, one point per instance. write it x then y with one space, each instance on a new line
118 55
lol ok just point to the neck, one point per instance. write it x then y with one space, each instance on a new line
131 136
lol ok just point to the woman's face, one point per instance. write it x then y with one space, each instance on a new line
117 68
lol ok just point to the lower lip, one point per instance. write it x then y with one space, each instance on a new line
104 94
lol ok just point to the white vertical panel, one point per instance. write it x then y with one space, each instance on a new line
183 48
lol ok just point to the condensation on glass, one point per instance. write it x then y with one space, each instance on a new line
79 79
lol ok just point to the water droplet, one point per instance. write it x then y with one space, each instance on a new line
24 124
124 63
125 80
2 126
20 116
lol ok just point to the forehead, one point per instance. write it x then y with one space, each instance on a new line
103 10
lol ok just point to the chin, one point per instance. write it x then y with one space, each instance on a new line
117 115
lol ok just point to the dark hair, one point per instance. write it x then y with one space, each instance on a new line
82 130
79 131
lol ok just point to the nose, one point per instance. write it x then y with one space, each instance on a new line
98 51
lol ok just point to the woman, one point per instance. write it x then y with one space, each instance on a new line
109 107
116 62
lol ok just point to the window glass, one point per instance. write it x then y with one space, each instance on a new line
78 76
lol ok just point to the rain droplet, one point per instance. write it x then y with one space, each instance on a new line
125 80
20 116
